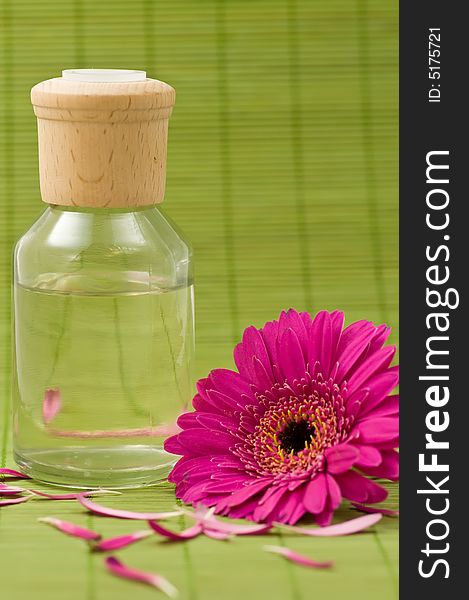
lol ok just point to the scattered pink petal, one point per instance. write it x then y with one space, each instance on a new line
235 529
187 534
201 512
215 534
346 528
116 567
13 473
122 541
205 516
71 529
51 405
9 501
72 496
299 559
104 511
374 509
10 490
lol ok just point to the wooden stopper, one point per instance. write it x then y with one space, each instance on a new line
102 138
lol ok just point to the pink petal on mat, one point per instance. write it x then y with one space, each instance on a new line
122 541
71 529
72 496
215 534
13 473
10 490
235 529
51 405
346 528
299 559
9 501
205 515
117 568
375 510
187 534
104 511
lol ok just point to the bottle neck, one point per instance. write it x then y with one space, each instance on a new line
57 208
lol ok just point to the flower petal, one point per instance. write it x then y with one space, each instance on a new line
71 529
187 534
10 501
353 343
261 379
266 507
201 404
293 508
215 534
374 365
241 511
173 446
185 465
345 528
292 361
244 493
270 333
189 419
335 495
214 422
374 431
298 559
10 490
379 338
121 541
388 467
320 342
358 488
231 384
118 568
13 473
369 456
51 405
252 345
378 386
315 495
203 442
292 319
337 324
324 518
387 407
340 458
235 529
228 485
104 511
223 402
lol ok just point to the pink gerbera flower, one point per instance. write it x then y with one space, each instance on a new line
298 428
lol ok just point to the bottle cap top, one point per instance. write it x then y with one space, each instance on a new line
104 75
102 137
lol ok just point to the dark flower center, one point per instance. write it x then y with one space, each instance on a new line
291 427
296 436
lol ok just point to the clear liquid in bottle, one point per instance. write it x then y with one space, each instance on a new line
101 378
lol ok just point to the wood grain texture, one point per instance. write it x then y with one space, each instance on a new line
282 170
102 144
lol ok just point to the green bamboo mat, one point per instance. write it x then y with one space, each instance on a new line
283 173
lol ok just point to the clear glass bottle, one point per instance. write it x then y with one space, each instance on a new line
103 305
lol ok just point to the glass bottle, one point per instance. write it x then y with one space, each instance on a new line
103 294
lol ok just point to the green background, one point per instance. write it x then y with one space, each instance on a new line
283 173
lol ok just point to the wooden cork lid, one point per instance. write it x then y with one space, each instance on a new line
102 138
